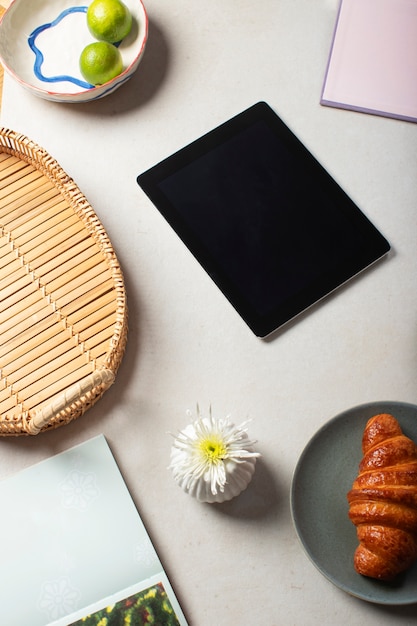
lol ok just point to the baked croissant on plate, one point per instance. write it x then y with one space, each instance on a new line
383 500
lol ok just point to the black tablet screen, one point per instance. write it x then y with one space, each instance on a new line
272 228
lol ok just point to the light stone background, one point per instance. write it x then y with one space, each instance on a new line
240 564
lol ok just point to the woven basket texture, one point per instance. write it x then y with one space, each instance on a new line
63 311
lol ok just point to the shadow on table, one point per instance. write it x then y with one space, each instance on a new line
141 87
407 612
262 498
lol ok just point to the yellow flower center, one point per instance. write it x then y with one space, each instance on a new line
213 449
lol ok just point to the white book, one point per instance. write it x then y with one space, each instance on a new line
74 545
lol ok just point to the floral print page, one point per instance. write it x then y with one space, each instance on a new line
75 537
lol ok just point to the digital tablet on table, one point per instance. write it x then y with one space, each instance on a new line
271 227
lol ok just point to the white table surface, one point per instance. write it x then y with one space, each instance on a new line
240 564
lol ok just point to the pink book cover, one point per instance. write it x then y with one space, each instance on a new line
372 66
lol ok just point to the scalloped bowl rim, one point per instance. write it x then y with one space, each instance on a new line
78 95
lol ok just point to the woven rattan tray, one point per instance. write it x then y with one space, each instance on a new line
63 314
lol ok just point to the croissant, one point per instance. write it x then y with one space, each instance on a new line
383 500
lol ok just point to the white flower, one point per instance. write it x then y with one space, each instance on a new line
78 490
145 553
213 459
58 598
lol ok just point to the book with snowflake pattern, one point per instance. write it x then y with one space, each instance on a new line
78 548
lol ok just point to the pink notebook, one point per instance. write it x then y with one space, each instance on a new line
373 59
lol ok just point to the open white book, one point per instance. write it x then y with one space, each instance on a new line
75 550
373 59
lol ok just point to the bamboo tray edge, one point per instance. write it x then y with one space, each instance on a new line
78 310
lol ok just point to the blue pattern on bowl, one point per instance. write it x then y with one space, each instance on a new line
39 57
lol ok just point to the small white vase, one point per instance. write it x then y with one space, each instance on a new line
212 459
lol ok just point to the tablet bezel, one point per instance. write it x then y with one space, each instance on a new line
335 276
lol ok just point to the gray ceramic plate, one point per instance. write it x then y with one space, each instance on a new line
322 478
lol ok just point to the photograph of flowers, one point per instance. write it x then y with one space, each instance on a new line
149 606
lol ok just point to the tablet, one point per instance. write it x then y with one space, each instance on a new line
271 227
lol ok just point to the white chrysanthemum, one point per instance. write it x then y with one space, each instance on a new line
212 459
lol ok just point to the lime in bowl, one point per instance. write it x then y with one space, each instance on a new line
42 43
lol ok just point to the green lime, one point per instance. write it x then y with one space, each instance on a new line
109 20
100 62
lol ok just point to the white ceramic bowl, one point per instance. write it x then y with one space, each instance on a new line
41 42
